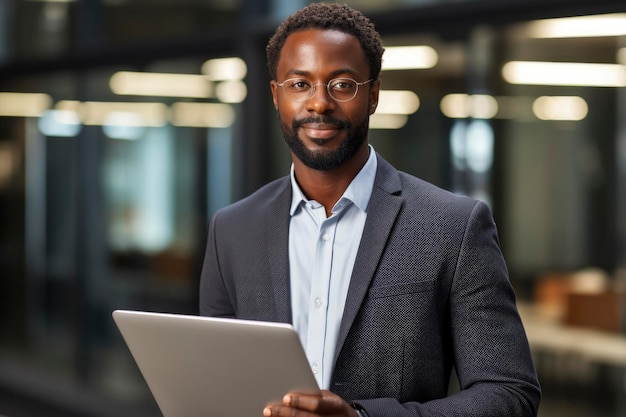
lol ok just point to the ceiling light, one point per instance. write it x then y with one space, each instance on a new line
148 114
160 84
69 105
455 106
24 104
560 108
233 91
483 106
221 69
99 113
397 102
216 115
565 74
409 57
388 121
579 27
461 106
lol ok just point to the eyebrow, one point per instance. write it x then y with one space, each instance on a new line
333 74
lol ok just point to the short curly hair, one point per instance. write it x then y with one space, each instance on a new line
331 16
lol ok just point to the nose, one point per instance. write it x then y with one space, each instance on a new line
320 102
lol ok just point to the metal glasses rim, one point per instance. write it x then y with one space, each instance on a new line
314 86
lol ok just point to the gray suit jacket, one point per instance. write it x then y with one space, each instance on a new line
429 292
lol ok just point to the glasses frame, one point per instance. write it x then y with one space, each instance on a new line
327 85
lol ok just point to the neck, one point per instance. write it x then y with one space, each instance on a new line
327 187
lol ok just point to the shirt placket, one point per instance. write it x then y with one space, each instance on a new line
318 303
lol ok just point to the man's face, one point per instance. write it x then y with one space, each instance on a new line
321 132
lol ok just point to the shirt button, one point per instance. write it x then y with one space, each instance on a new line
318 302
325 237
315 368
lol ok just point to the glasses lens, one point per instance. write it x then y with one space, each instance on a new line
297 89
342 89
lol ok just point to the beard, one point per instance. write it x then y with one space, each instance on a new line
325 160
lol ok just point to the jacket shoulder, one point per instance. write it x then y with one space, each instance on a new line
268 196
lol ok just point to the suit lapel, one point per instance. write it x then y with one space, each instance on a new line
382 211
277 239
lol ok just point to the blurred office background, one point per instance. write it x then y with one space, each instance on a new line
125 123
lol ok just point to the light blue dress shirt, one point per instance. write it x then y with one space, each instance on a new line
322 252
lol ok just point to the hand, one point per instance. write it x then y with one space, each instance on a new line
302 405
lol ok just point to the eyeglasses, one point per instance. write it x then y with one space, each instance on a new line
339 89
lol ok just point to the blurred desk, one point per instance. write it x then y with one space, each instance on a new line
550 336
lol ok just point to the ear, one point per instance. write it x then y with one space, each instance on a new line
374 94
274 88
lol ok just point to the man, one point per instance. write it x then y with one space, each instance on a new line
389 281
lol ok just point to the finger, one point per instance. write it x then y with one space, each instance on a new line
328 403
272 409
301 401
276 410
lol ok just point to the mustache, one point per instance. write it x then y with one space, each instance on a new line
329 120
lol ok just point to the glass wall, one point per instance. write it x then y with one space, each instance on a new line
109 177
124 125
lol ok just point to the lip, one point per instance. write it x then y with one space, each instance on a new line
320 130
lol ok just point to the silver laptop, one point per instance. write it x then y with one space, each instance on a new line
210 367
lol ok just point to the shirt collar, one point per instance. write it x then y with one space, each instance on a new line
358 192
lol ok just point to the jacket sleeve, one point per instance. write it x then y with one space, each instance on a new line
214 296
489 345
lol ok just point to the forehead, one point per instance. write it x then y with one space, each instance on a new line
322 52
